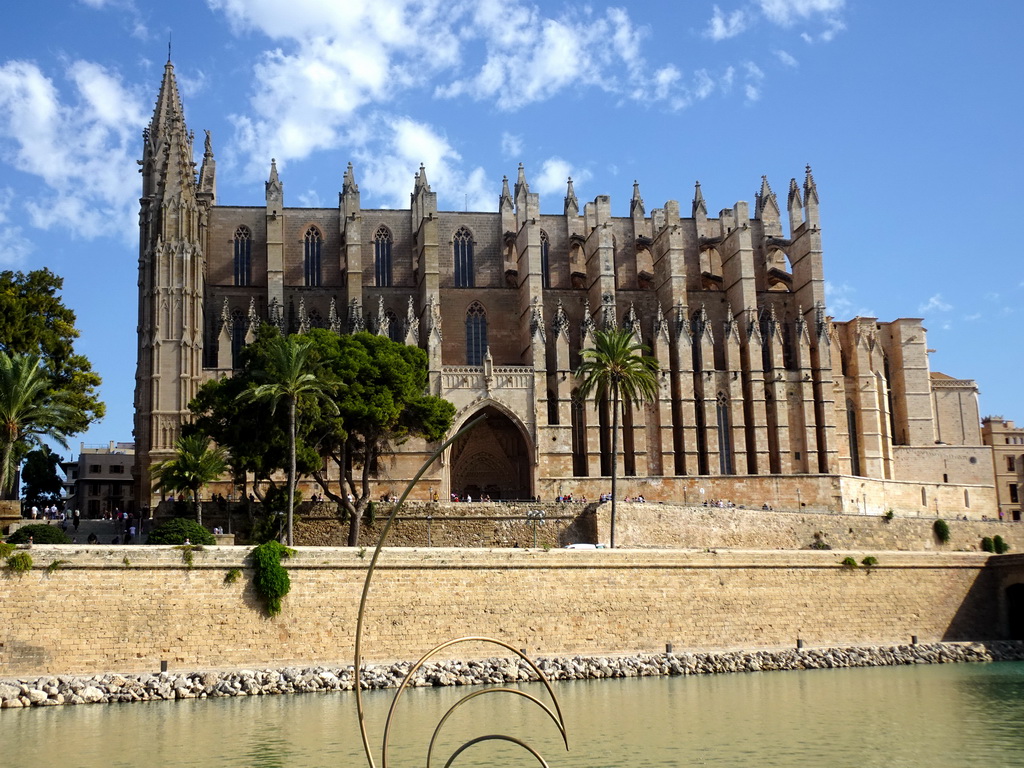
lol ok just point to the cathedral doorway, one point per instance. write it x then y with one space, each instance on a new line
492 460
1015 611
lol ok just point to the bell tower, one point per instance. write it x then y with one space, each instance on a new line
173 216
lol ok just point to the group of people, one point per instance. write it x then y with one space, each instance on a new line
567 498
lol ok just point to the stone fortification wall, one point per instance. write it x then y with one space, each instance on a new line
667 526
128 608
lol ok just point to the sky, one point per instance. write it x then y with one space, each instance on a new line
910 115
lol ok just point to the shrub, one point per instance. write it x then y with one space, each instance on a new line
987 544
271 579
40 533
177 530
6 549
819 544
19 562
999 546
849 562
869 561
889 515
56 565
233 575
941 529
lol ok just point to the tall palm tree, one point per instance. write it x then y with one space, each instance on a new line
616 369
289 379
195 464
29 412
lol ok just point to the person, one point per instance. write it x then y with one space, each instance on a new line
77 519
115 540
187 542
93 539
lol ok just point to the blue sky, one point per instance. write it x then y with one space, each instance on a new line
910 115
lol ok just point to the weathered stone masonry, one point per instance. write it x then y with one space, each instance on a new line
128 608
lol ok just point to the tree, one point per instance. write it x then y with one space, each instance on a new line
287 378
380 392
41 483
615 370
194 465
29 412
34 321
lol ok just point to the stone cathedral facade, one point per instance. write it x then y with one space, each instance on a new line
763 397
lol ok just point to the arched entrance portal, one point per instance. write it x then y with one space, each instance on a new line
1015 611
492 459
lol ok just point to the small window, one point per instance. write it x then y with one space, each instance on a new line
1014 498
476 334
967 498
545 264
462 250
243 256
312 245
116 469
382 257
1011 463
95 469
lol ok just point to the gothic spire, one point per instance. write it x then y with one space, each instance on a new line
348 185
698 201
505 201
766 201
274 187
168 114
810 189
421 179
637 202
572 205
521 181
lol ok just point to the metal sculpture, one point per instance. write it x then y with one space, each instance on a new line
554 713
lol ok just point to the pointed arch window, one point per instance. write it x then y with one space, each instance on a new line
382 256
394 327
239 327
476 334
545 264
462 248
724 435
243 256
312 246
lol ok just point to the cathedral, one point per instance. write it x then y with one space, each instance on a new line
763 398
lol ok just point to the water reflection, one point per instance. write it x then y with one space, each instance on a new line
943 716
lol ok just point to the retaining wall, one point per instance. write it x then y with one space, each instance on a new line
128 608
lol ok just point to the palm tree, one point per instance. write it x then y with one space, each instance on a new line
616 369
195 464
29 412
288 379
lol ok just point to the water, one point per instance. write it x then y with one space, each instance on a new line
940 716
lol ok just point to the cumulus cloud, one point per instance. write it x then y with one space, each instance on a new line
554 174
754 77
787 59
82 146
934 304
722 26
389 163
14 247
511 145
842 302
787 12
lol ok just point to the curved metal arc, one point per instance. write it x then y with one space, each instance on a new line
559 720
495 737
369 573
469 697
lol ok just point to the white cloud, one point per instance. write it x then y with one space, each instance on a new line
14 247
843 304
722 27
554 175
787 59
787 12
511 146
388 165
935 304
83 148
972 318
754 77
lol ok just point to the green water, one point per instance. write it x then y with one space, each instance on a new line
958 716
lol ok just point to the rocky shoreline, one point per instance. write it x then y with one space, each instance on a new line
165 686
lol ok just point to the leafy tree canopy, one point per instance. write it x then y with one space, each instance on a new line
177 530
34 321
40 533
42 484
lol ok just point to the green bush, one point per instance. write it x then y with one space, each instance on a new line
869 561
848 562
177 530
999 546
271 579
889 515
987 545
941 528
19 562
41 533
233 575
819 544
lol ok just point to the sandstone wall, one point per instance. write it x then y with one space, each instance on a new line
128 608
